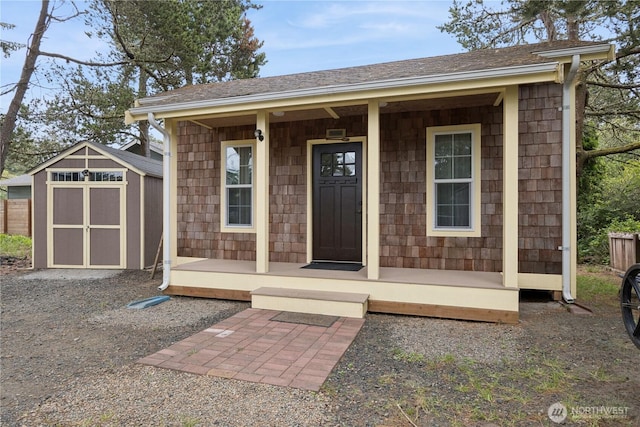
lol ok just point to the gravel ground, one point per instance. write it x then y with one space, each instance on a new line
69 348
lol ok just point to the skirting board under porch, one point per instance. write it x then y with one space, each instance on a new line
449 294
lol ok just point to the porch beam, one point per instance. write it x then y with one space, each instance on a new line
373 191
261 185
510 188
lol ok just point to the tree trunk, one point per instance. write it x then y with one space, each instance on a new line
581 104
143 125
29 66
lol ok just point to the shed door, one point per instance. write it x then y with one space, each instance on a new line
104 227
337 202
87 228
67 231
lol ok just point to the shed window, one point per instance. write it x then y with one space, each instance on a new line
67 176
453 180
238 185
105 176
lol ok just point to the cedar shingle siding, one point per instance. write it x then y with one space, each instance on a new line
540 179
403 241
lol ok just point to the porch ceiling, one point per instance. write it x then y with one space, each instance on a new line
325 111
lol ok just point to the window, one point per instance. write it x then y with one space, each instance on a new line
105 176
67 176
238 185
453 177
338 164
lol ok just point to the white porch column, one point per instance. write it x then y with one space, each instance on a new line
510 188
261 185
373 191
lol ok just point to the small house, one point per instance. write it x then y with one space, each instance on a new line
438 186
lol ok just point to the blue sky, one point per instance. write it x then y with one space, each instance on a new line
298 35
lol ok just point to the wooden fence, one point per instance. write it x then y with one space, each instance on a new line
624 250
15 216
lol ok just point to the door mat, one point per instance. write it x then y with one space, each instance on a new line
305 319
340 266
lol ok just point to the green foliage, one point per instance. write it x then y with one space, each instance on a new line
596 248
607 202
6 45
15 246
27 150
153 46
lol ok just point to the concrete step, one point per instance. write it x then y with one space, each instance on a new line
343 304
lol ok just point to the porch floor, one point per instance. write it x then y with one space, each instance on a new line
251 346
398 275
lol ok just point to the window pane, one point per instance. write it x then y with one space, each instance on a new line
233 166
239 206
462 167
444 194
445 216
246 165
245 196
443 168
233 196
350 157
350 163
460 194
233 216
461 216
326 164
338 164
462 144
443 146
453 205
245 215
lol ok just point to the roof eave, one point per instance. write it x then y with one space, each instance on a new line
543 72
78 146
604 51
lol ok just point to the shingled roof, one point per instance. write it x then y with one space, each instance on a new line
488 59
143 164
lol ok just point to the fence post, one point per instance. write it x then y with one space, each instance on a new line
5 216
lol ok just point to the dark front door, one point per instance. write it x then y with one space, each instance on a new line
337 202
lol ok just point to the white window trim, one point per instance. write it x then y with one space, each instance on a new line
475 229
224 227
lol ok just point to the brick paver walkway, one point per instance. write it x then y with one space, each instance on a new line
249 346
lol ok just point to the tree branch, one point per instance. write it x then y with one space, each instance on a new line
590 154
612 86
79 62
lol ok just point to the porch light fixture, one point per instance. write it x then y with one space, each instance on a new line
85 172
258 134
278 113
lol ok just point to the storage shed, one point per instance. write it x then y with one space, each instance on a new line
96 207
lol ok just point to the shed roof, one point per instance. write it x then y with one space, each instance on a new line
515 57
147 165
16 181
142 164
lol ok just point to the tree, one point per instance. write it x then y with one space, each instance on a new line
9 121
155 46
158 46
608 90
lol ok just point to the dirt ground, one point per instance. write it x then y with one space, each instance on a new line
58 334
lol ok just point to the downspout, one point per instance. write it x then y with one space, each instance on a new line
566 179
166 175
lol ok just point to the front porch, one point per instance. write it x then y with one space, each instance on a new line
462 295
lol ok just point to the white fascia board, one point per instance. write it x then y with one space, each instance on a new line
600 51
521 70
